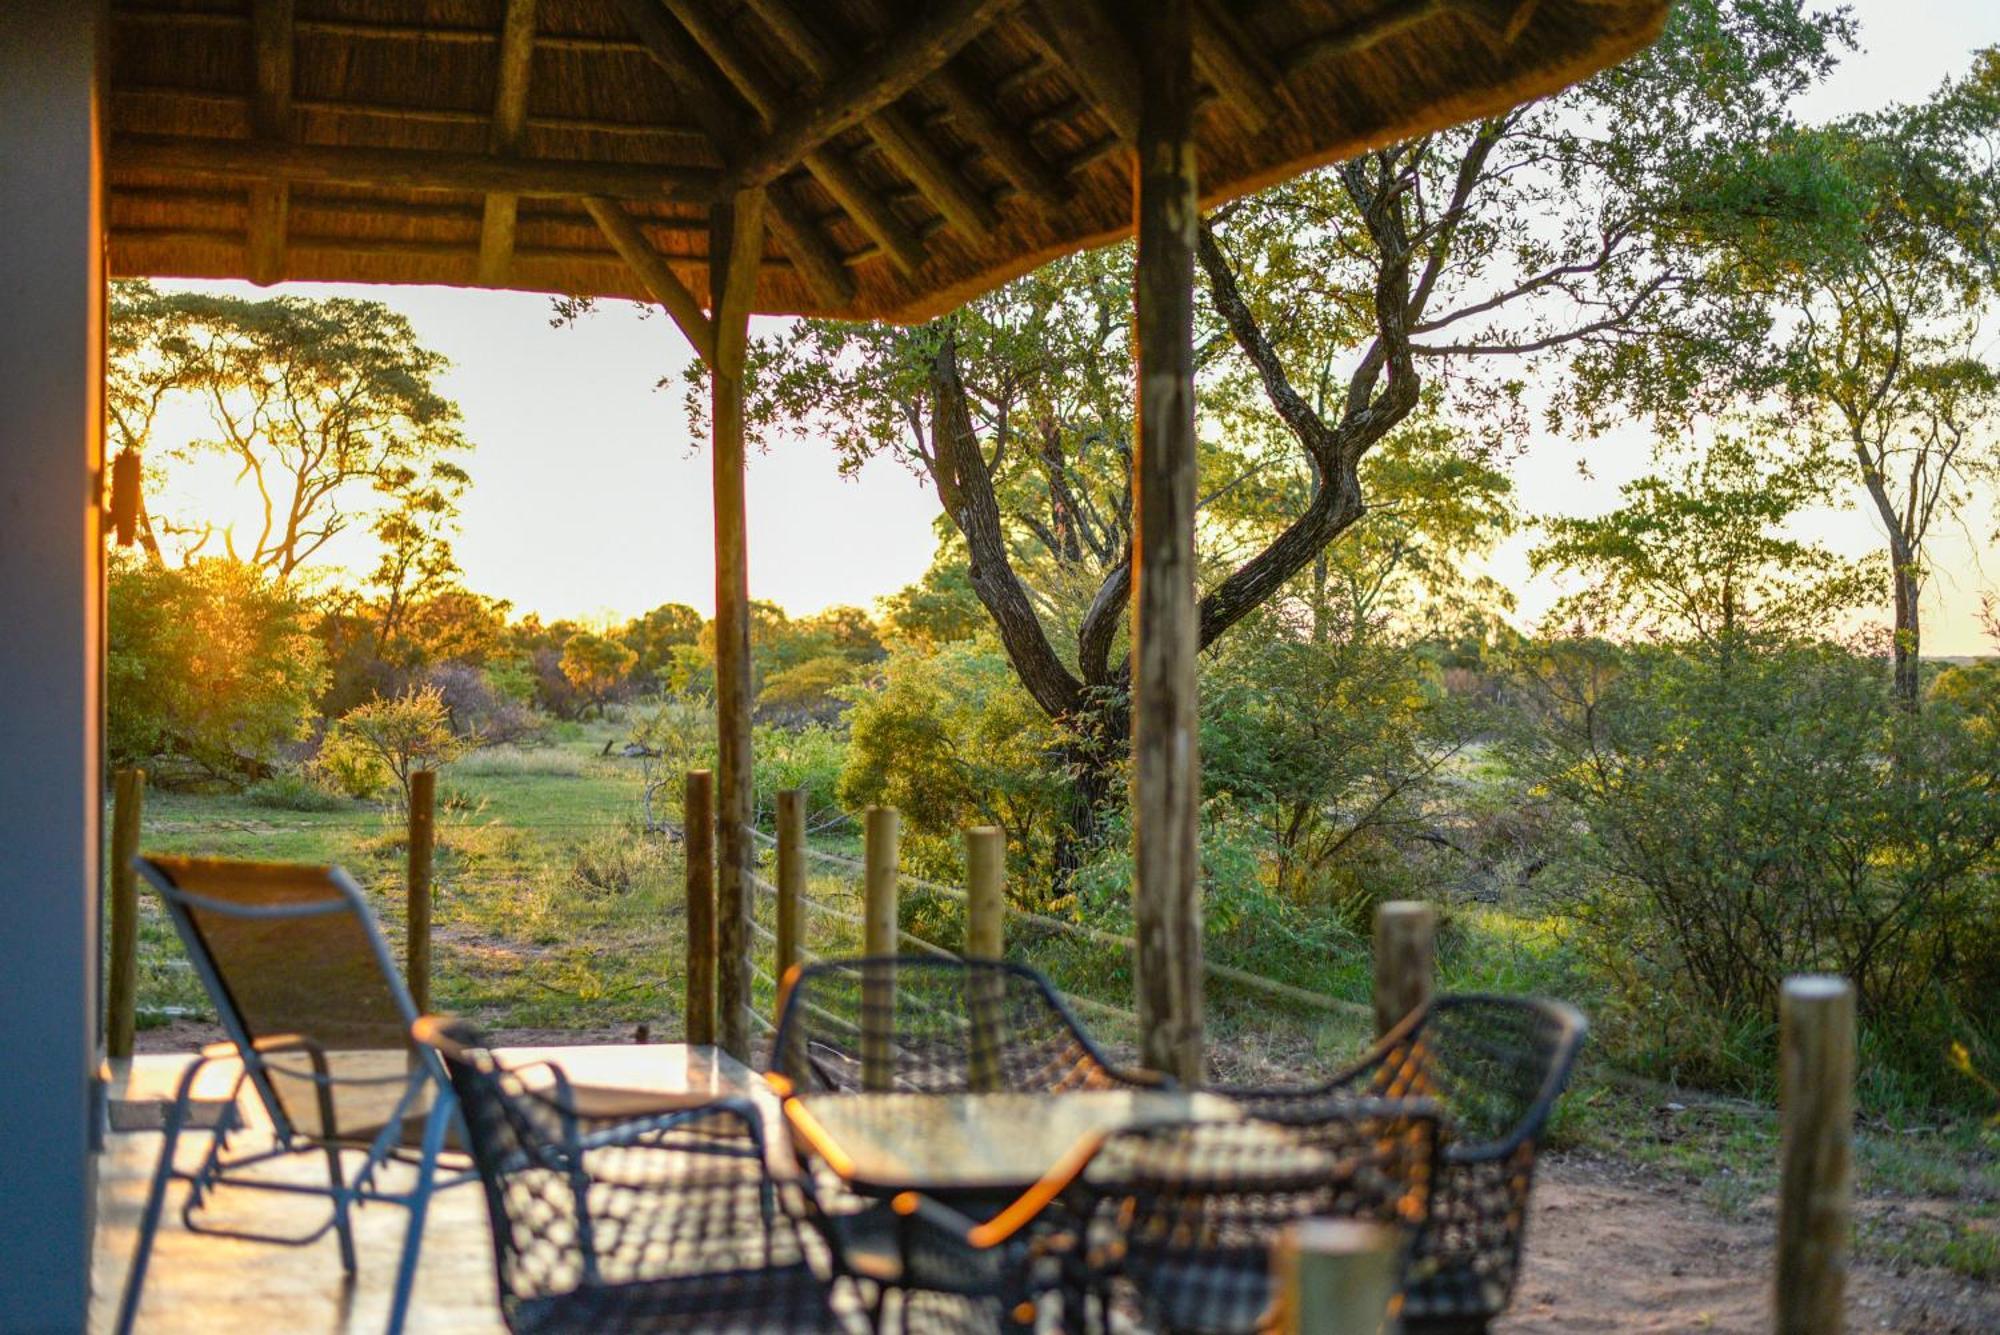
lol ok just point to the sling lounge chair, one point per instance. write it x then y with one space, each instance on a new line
319 1018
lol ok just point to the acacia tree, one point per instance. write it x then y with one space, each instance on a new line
1413 285
1863 253
319 404
1700 555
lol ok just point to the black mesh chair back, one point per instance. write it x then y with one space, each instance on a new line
936 1026
1494 1066
1183 1217
627 1223
294 950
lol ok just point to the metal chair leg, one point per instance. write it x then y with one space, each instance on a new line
435 1126
156 1198
343 1227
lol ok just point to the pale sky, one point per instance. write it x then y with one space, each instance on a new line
588 500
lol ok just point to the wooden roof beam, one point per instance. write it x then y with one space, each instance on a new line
1097 55
271 33
971 108
510 118
900 139
661 281
670 48
871 213
405 168
868 85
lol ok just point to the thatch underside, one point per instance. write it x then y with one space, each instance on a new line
455 141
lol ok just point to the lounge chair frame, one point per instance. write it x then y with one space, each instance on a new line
260 1055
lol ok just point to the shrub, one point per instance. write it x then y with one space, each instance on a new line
1759 810
387 741
213 663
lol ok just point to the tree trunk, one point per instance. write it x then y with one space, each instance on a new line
1909 678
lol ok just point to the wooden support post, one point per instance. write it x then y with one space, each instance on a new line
791 876
698 841
735 248
1166 762
510 118
985 892
1336 1276
128 805
882 835
985 909
1405 959
1816 1186
423 841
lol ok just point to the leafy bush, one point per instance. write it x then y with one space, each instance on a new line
952 739
386 741
213 663
809 758
1759 810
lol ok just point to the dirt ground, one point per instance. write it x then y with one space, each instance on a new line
1614 1248
1611 1247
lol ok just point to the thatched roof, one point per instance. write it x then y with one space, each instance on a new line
960 142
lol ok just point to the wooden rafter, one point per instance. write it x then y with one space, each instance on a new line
1097 55
868 85
901 140
973 112
510 118
869 211
661 281
1234 66
406 168
271 119
671 49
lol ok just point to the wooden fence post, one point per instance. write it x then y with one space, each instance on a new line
423 841
1405 959
791 878
985 892
878 995
1816 1187
985 939
128 804
1336 1276
698 840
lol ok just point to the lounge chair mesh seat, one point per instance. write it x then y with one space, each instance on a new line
661 1221
1494 1066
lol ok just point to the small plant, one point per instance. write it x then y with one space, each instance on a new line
386 741
1960 1057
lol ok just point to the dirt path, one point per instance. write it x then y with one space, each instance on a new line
1612 1248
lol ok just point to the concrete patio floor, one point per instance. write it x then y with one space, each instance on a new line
217 1286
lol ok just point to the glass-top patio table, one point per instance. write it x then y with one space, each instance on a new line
985 1143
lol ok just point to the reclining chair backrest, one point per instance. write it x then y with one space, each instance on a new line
293 950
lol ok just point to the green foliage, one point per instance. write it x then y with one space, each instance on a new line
951 739
386 741
596 665
213 664
811 758
1701 555
1762 812
1327 749
808 690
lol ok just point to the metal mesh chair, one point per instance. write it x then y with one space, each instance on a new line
319 1018
668 1219
1182 1218
1495 1067
935 1026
